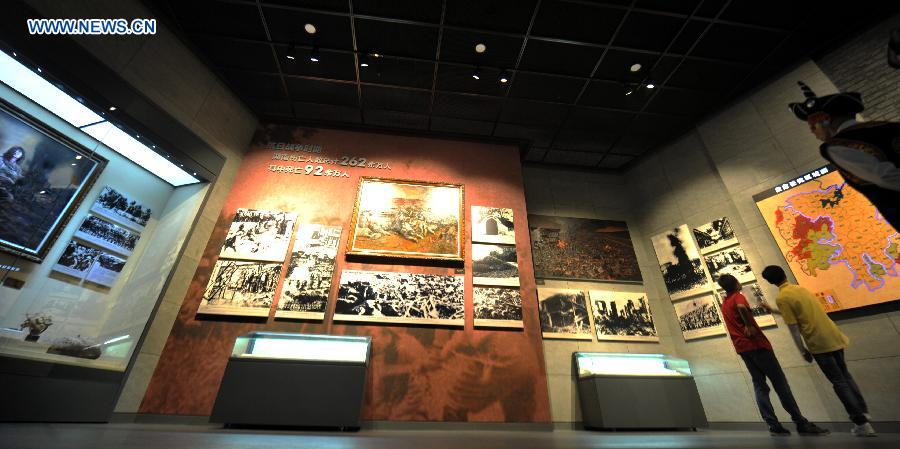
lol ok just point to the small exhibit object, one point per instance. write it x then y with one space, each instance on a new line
699 317
122 209
564 314
680 263
408 219
304 293
635 391
283 379
497 307
240 288
76 260
106 235
622 316
493 225
258 235
393 297
731 261
715 235
495 265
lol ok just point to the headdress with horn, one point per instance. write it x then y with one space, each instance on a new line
844 103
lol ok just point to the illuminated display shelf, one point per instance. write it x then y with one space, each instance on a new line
302 347
625 364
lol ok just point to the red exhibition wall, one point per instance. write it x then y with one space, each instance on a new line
417 373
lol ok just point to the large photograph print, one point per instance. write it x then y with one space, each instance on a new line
240 288
493 225
494 265
731 261
400 298
497 307
622 316
106 235
715 235
76 260
699 317
680 263
582 249
258 235
307 285
564 314
754 294
115 206
43 178
407 219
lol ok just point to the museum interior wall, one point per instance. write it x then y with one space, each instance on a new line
163 69
421 370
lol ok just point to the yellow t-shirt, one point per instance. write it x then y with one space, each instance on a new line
798 306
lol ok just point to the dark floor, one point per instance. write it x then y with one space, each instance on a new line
141 436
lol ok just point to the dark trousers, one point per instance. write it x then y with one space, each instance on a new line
835 369
762 364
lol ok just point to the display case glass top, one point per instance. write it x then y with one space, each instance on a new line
302 347
624 364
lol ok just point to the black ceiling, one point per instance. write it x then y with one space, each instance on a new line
568 63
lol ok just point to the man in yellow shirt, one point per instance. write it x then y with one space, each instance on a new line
824 342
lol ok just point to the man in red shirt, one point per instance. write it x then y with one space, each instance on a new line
756 351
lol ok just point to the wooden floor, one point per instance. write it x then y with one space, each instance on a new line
146 436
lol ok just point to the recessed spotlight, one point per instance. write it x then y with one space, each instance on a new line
78 157
628 91
112 108
42 192
195 173
636 67
310 28
650 85
376 55
476 74
363 60
153 146
314 54
74 164
504 77
480 48
39 70
291 53
16 55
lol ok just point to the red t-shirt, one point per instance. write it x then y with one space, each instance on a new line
735 325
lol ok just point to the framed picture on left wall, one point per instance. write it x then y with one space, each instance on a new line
44 176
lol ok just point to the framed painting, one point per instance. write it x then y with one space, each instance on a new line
408 219
44 176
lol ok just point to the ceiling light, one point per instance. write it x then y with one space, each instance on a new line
314 54
629 91
291 53
504 78
310 28
78 157
636 67
650 85
363 60
112 108
476 74
39 70
480 48
376 55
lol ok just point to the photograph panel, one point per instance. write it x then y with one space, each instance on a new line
106 270
679 261
400 298
622 316
106 235
258 235
493 225
754 294
564 314
122 209
699 317
240 288
497 307
307 285
76 260
495 265
715 235
731 261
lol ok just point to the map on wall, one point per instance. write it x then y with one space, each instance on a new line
680 263
834 240
582 249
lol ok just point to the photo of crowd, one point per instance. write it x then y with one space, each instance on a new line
497 306
240 288
76 259
307 285
258 235
106 270
118 207
102 233
585 249
400 297
699 317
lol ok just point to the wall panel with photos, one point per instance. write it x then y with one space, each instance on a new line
390 257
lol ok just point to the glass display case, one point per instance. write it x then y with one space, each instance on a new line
624 364
302 347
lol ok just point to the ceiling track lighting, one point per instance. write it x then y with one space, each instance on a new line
314 54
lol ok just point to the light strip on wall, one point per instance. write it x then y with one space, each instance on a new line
28 83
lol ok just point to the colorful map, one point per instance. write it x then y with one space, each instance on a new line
835 242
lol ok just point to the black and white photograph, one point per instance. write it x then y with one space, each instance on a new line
76 260
622 316
731 261
240 288
258 235
497 307
106 270
680 263
307 285
495 265
699 317
115 206
564 314
715 235
493 225
106 235
754 294
400 298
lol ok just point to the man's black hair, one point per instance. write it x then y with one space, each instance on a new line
774 274
729 283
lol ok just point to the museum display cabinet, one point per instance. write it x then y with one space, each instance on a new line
637 391
298 380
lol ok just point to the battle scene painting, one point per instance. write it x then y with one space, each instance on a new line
407 219
582 249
